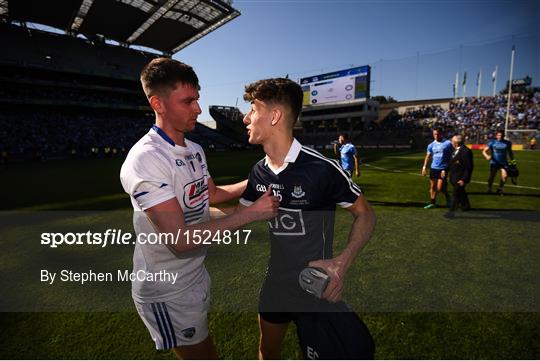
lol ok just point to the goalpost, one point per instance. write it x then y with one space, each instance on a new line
522 136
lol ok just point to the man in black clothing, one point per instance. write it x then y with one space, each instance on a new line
309 186
461 167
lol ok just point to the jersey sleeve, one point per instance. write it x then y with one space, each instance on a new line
340 188
430 148
351 150
250 193
490 145
147 178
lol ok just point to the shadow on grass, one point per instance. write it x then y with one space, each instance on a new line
398 204
505 194
523 215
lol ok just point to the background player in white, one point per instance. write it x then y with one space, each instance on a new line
170 187
310 186
439 152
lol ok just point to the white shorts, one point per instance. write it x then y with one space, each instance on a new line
179 322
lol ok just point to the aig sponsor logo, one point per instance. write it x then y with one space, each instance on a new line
288 222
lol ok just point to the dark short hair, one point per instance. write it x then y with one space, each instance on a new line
499 131
163 75
344 135
278 91
436 129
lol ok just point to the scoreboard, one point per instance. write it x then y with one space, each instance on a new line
337 87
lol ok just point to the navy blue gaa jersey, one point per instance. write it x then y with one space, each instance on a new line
309 186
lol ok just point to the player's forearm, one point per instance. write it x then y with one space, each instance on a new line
221 212
361 232
228 192
229 222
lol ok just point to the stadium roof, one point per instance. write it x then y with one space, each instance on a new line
164 25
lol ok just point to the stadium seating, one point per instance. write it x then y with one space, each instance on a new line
479 118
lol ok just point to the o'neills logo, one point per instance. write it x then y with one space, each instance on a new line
195 193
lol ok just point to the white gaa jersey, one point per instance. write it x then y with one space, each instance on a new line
155 171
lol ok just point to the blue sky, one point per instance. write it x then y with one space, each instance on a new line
415 48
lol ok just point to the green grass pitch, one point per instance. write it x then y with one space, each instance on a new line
426 286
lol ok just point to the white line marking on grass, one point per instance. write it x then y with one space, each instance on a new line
418 174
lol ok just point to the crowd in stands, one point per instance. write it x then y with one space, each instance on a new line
38 134
478 118
55 94
41 135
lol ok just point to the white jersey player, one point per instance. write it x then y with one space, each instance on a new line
171 190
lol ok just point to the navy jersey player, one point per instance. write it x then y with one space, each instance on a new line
496 152
440 152
171 189
309 187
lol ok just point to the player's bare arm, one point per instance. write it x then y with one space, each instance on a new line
361 231
356 168
167 217
424 167
486 153
225 193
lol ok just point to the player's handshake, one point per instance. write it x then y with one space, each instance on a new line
264 208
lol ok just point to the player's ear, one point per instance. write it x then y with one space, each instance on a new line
156 104
277 115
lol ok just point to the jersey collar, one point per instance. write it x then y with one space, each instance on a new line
175 147
291 157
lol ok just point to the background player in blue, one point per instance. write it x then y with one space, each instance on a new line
309 186
496 151
440 152
347 151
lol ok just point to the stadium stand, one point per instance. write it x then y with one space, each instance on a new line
74 91
229 122
479 118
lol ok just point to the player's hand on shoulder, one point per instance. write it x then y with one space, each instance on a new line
266 207
335 269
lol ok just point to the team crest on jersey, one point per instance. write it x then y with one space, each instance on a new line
188 332
298 192
195 193
180 162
